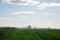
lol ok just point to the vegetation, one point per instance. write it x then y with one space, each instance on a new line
29 34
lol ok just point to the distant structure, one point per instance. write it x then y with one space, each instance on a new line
29 26
48 28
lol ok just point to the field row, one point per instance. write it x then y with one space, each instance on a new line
29 34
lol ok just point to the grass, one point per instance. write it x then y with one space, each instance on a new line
29 34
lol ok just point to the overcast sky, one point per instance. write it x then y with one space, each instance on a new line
38 13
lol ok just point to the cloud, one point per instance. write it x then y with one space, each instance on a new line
21 2
54 4
23 16
47 13
6 19
44 5
23 12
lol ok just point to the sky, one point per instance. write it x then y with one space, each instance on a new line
37 13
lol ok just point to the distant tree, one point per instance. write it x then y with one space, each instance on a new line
48 28
29 26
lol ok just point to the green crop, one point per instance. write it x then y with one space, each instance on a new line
29 34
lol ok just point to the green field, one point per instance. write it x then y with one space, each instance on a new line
29 34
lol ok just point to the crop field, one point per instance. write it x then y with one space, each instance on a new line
29 34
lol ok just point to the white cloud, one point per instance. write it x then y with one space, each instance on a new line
23 16
6 19
23 12
54 4
47 13
44 5
22 2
